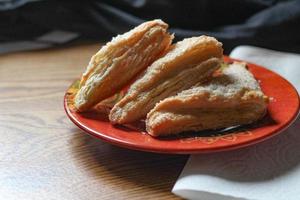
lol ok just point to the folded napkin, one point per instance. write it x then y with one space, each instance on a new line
269 170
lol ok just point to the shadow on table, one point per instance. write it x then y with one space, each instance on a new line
114 164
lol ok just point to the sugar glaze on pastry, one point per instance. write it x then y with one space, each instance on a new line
190 61
232 98
120 60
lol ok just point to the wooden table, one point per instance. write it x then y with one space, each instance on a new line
44 156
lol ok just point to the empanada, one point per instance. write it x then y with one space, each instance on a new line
188 62
232 98
120 60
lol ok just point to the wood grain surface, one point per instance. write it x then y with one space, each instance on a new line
44 156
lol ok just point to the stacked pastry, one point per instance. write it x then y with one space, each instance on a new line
178 89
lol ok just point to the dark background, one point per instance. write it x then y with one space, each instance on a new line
264 23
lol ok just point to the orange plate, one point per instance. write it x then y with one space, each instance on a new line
282 111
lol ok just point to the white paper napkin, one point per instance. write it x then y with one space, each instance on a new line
266 171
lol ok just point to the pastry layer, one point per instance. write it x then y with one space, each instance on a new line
232 98
189 62
120 60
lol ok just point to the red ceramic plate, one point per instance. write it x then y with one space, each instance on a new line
282 110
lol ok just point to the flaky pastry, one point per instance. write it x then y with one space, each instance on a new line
188 62
232 98
120 60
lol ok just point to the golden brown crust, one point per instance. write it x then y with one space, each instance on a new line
187 63
232 98
120 60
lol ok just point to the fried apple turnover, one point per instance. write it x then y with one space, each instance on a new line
188 62
232 98
120 60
